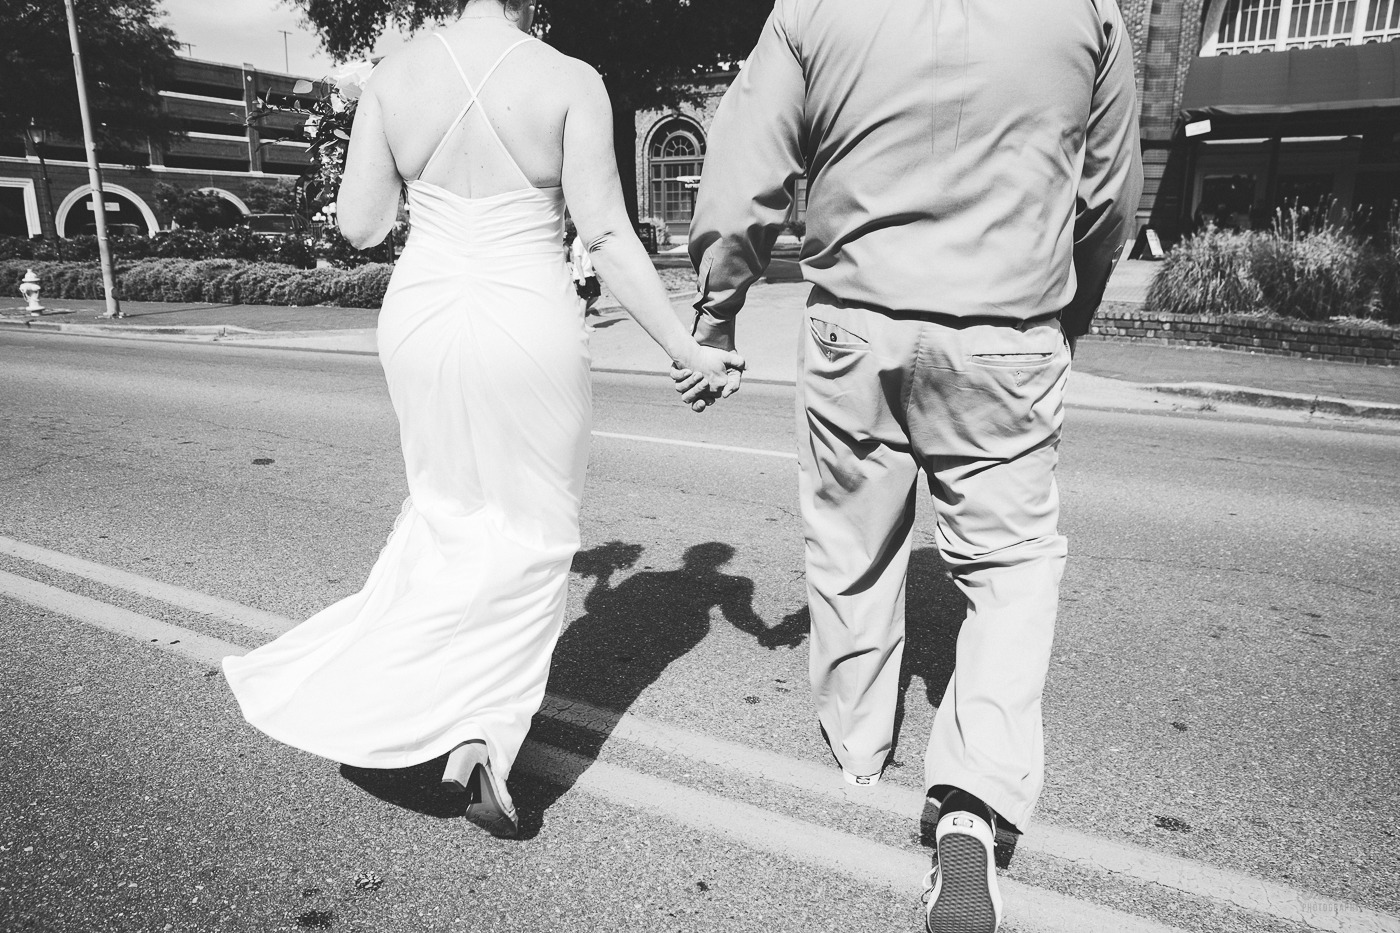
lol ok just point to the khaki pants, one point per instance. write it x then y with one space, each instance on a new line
978 408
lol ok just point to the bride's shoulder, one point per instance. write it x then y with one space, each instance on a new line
406 63
582 78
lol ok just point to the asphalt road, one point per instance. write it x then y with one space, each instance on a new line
1221 713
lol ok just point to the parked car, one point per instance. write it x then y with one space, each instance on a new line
126 230
274 224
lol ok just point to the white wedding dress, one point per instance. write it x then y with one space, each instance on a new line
483 344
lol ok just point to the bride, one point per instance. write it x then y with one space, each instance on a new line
447 648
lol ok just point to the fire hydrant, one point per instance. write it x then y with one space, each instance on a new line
29 289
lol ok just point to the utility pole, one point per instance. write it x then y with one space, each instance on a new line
286 56
99 203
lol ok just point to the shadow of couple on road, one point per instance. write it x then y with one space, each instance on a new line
632 630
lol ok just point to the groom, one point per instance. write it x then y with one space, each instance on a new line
972 172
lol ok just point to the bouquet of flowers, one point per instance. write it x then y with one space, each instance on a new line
329 119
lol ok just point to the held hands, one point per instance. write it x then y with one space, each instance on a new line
706 375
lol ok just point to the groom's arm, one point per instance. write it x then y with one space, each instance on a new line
753 159
1111 183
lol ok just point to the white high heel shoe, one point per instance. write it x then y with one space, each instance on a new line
468 772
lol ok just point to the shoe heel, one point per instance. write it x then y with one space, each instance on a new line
468 771
965 902
461 775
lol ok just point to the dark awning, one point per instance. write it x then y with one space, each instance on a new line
1344 90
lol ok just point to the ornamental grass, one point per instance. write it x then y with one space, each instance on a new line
1309 265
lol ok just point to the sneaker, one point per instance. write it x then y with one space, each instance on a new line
861 780
960 893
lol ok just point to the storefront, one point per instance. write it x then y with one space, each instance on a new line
1304 128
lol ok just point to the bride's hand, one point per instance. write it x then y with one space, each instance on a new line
707 374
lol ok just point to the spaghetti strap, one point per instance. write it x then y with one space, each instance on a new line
475 93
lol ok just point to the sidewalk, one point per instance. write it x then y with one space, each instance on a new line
1103 370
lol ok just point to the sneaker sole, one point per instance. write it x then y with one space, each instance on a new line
964 902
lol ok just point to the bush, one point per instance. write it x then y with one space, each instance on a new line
1325 274
209 280
1385 305
1207 273
660 229
191 208
182 243
1305 267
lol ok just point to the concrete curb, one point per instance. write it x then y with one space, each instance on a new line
1262 398
172 330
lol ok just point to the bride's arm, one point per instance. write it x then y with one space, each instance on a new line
368 202
594 196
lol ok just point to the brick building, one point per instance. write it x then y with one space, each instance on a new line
1245 105
219 153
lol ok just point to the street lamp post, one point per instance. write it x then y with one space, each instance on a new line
37 137
99 204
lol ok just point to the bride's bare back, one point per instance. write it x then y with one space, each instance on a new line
421 93
554 122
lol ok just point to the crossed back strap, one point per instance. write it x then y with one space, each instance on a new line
475 92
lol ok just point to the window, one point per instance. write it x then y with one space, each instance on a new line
677 154
1227 201
1382 21
1316 23
1248 25
13 218
1275 25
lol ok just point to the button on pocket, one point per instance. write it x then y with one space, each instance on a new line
836 336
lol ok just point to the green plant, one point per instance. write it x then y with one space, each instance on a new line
190 208
292 249
660 229
212 280
1207 273
1311 266
1386 302
271 197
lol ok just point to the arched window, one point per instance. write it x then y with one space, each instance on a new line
676 156
1242 26
126 213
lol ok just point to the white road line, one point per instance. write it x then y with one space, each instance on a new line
1028 908
1240 890
212 606
672 442
1216 884
817 846
166 637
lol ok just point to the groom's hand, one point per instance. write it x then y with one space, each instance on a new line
718 335
699 396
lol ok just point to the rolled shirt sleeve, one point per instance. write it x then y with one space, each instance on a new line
753 160
1111 183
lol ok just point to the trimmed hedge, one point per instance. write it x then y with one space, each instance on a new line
170 244
296 249
209 280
